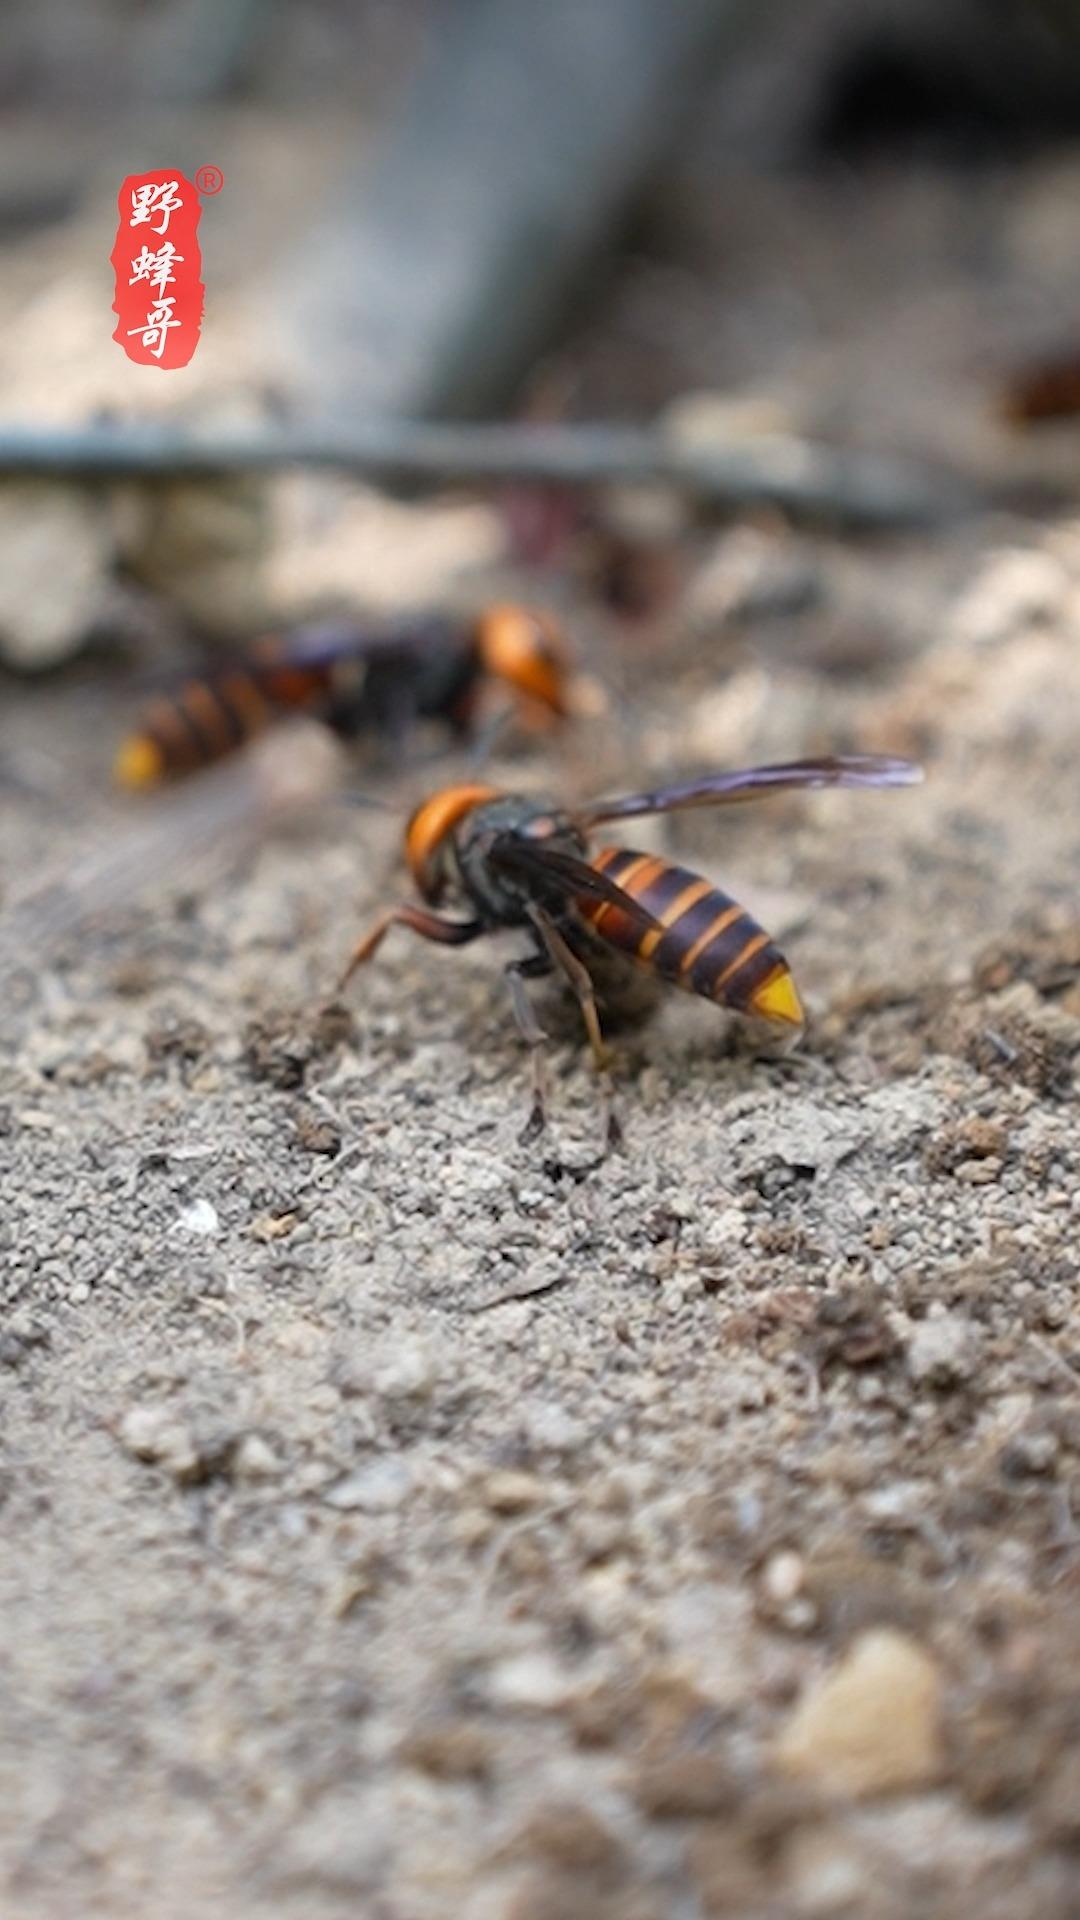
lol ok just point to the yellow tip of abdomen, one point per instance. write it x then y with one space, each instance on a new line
777 999
138 763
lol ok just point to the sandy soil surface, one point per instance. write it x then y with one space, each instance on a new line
402 1521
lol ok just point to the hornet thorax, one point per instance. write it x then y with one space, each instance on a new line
498 899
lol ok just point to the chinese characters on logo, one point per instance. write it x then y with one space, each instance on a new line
159 295
155 197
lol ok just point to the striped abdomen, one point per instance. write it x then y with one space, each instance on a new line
705 943
207 718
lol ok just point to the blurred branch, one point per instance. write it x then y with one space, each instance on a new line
447 264
807 480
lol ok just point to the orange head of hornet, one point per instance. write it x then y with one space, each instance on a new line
427 835
524 647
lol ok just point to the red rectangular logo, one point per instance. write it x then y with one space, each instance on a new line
158 264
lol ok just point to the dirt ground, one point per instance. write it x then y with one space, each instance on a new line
402 1521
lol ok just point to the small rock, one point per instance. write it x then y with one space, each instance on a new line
783 1577
873 1724
276 1049
410 1372
314 1134
254 1458
984 1139
979 1173
531 1680
406 1369
379 1487
449 1749
852 1329
162 1438
19 1339
273 1226
509 1492
600 1537
551 1429
943 1350
783 1597
688 1785
200 1217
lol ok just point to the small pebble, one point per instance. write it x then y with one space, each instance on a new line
509 1492
200 1217
159 1436
943 1350
549 1428
873 1724
531 1680
379 1487
409 1374
783 1577
254 1458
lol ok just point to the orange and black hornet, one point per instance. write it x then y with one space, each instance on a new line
595 916
357 680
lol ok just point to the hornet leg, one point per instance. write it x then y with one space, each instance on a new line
518 971
577 975
452 933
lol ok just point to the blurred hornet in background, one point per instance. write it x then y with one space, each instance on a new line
359 681
593 915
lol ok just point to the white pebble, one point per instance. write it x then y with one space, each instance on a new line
380 1486
200 1217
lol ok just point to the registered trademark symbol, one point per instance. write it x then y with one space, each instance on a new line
209 179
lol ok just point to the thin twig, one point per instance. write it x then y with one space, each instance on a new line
806 479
